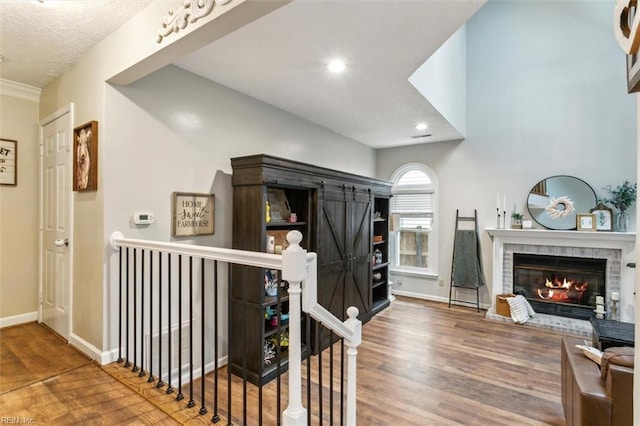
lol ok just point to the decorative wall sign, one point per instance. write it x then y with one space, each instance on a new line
626 27
188 13
85 157
8 162
193 214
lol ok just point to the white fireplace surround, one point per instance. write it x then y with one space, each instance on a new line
617 247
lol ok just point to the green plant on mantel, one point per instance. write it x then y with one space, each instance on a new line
516 216
623 196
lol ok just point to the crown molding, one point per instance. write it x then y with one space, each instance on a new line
188 13
19 90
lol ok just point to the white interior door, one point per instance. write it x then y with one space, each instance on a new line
56 225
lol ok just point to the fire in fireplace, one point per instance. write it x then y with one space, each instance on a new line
559 285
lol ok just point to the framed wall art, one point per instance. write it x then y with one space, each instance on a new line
8 162
586 222
604 217
633 74
193 214
85 157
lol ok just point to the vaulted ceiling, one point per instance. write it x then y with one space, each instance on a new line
279 59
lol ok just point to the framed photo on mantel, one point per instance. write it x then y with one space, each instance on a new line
586 222
604 217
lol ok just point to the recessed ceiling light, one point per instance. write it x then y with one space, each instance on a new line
421 126
337 65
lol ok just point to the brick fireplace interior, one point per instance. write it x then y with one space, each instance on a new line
560 285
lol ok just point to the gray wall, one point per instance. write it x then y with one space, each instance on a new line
175 131
546 95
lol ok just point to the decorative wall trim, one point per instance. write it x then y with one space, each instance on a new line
19 90
188 13
626 26
18 319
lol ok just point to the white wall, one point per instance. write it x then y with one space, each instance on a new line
175 131
84 86
441 80
546 95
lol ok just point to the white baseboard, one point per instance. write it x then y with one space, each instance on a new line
422 296
208 368
440 299
108 357
87 348
18 319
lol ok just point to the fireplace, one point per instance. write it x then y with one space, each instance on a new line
618 248
560 285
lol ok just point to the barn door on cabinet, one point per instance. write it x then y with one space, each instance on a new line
344 236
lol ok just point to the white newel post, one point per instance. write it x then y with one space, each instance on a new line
294 270
355 326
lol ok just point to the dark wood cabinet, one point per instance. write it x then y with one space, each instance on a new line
380 258
336 213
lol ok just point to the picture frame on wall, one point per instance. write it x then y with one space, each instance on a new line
633 73
625 24
604 217
586 222
8 162
85 157
193 214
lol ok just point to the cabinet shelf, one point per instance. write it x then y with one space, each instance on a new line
376 243
380 266
379 304
380 219
272 300
378 283
280 225
270 371
270 330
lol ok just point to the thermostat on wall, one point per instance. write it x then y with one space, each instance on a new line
143 218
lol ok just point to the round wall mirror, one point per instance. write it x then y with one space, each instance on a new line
555 201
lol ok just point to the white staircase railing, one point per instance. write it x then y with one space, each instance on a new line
299 269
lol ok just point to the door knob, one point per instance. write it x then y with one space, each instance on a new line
61 243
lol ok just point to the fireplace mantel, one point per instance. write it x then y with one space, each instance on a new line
534 238
562 238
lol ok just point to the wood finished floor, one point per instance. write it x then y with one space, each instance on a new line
420 363
43 380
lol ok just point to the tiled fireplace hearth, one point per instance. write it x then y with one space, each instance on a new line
618 249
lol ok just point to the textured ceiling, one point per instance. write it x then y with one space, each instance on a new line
40 41
278 59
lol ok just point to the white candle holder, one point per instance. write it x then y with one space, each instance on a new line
600 312
614 310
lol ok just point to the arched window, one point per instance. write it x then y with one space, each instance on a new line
413 208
